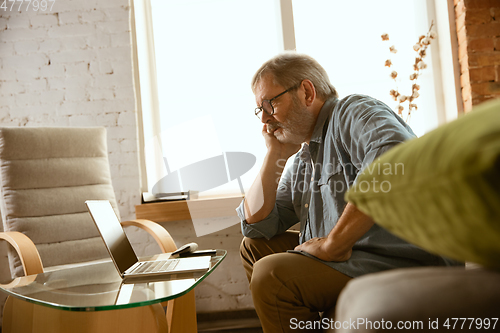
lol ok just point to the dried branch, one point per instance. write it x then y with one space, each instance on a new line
420 48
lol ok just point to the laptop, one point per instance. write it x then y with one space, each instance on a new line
124 257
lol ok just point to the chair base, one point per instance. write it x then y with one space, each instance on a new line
181 314
24 317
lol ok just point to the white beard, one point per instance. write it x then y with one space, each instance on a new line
296 127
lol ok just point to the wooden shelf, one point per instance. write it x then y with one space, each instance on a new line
169 211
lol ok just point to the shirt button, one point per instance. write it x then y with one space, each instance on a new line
306 205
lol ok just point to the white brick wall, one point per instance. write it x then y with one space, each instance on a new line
72 67
61 68
226 288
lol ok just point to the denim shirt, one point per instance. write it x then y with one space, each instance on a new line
349 134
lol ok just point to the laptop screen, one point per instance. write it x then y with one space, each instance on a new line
112 234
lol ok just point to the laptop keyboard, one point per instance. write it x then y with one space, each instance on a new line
156 266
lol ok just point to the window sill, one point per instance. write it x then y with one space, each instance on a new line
170 211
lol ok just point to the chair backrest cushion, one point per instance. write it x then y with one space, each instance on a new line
46 174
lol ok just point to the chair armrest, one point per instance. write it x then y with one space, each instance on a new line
159 233
26 249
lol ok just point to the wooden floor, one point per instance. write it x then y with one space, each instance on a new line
230 326
224 330
237 322
234 330
245 325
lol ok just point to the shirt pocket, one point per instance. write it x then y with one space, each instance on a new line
332 187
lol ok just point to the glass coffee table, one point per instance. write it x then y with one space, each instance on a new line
98 287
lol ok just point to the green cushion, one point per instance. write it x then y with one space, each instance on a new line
441 191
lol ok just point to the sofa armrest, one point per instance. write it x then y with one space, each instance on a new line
160 234
419 296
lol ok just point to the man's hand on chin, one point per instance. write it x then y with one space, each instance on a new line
285 150
322 248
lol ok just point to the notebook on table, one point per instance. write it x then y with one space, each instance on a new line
123 255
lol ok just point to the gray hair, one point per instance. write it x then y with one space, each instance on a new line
290 68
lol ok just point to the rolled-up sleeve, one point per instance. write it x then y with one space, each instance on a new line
265 228
281 218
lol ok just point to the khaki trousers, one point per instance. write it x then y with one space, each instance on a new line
288 288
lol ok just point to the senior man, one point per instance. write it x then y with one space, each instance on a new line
299 107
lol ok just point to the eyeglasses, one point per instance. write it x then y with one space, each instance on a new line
267 104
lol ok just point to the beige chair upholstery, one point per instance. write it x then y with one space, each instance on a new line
46 174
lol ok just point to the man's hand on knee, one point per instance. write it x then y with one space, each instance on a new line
338 245
322 248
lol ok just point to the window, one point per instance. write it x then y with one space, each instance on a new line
353 53
197 57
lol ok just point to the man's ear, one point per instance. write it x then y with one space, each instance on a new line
310 92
